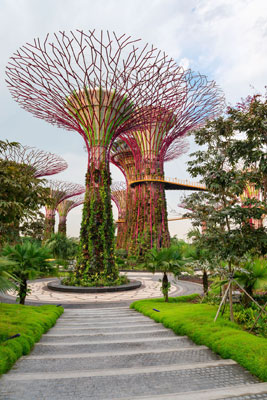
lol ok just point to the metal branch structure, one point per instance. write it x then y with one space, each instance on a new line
101 85
41 162
59 191
118 195
63 209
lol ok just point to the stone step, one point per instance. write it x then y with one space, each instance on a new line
105 336
124 319
125 383
110 353
109 329
100 314
243 392
104 324
110 346
109 361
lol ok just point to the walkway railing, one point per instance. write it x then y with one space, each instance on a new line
175 181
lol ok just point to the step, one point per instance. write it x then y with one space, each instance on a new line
110 329
103 324
243 392
109 346
109 361
51 338
123 384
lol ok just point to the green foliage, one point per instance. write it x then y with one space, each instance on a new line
252 275
97 280
62 247
30 323
166 260
228 166
96 251
225 338
21 196
30 261
5 277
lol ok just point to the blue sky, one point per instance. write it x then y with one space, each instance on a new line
223 39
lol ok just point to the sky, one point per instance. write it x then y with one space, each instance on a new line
223 39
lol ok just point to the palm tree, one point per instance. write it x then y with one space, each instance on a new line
166 260
252 276
30 261
6 279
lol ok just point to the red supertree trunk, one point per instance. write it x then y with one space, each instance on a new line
64 208
119 195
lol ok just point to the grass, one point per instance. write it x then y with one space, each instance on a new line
223 337
28 321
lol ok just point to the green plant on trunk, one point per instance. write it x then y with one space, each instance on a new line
30 261
166 260
96 251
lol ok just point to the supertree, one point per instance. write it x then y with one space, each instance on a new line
98 86
41 162
196 101
118 195
123 156
64 208
59 191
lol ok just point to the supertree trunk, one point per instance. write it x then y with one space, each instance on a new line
62 225
97 228
49 228
150 228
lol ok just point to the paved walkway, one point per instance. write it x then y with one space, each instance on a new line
119 354
150 288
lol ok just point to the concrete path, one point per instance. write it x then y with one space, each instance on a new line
116 353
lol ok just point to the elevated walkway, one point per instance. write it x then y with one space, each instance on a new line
171 183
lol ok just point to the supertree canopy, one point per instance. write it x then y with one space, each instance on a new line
101 86
118 195
59 191
42 163
64 208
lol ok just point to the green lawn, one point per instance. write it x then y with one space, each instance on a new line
224 337
30 323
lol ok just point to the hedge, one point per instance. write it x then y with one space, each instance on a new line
30 322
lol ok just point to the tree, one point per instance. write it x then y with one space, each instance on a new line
30 261
200 258
21 196
166 260
227 169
